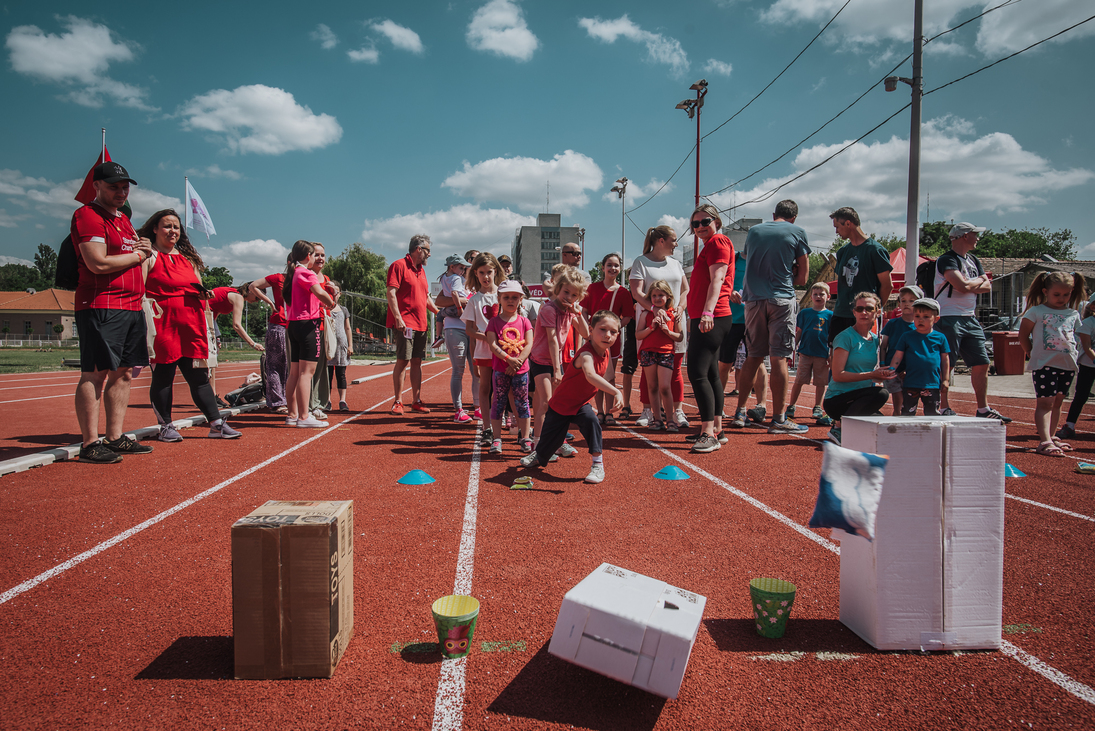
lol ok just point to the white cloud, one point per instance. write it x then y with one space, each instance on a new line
969 178
56 199
1013 28
326 37
402 38
660 49
720 68
367 55
522 181
260 119
15 259
499 27
145 202
247 260
1086 253
78 58
214 171
452 231
8 220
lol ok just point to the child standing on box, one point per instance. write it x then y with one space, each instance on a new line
1048 336
570 402
923 352
660 330
891 333
484 276
509 337
1085 333
812 335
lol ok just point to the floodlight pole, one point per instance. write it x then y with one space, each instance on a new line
694 107
912 213
620 189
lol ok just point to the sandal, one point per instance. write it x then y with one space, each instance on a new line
1049 449
625 412
1063 446
609 420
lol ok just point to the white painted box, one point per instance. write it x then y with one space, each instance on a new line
629 627
933 577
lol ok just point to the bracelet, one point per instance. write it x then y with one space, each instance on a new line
708 314
140 256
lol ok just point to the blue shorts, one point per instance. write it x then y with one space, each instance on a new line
966 337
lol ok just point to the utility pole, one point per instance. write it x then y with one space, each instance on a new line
693 107
912 214
620 189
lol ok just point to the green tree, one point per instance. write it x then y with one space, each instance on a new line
597 273
1012 243
20 277
217 277
363 271
45 261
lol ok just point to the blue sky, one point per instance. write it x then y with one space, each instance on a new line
369 122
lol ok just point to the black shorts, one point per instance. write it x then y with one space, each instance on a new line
728 351
111 339
1050 381
535 369
629 363
305 340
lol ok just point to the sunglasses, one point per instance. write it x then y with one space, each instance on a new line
861 308
703 222
573 253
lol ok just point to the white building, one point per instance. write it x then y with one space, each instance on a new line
536 248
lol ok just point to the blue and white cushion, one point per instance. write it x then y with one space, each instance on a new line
849 490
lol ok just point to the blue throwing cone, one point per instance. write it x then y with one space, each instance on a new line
671 472
1010 471
415 477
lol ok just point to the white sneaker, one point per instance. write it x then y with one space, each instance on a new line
596 474
644 418
311 423
290 421
566 450
682 420
319 414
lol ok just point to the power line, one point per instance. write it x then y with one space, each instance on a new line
967 22
659 190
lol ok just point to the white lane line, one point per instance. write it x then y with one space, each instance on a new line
1073 686
448 707
1050 507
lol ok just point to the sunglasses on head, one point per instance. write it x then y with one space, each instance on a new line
702 222
861 308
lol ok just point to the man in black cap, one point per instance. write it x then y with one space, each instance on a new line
108 314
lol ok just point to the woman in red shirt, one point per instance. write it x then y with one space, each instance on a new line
608 294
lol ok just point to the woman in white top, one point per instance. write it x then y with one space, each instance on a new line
656 263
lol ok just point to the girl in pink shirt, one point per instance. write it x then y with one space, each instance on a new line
303 295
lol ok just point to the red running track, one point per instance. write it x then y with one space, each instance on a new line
136 632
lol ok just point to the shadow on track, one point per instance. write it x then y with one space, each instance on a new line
193 658
803 635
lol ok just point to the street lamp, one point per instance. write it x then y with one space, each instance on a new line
693 107
620 189
582 242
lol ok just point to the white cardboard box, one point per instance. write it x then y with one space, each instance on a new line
933 577
630 627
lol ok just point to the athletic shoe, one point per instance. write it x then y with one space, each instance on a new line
397 408
731 394
507 422
168 433
682 420
787 426
525 444
98 454
596 474
723 439
461 417
496 447
566 450
705 444
486 437
125 445
994 414
756 416
343 407
1065 432
817 413
834 435
290 421
328 407
644 418
738 422
311 423
789 413
281 410
419 407
531 460
437 343
478 415
320 414
222 403
824 420
655 426
223 431
569 437
693 437
947 412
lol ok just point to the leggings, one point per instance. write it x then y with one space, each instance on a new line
1084 382
703 365
337 376
460 354
277 366
163 378
860 402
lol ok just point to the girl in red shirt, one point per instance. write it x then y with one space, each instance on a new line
658 333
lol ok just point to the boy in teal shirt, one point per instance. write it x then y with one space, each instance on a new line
812 335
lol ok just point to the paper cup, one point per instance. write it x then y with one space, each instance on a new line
772 600
455 617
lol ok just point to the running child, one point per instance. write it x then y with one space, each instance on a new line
553 325
812 336
484 276
659 331
570 402
924 353
509 337
1085 333
1048 336
891 333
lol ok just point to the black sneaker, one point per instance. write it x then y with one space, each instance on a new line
756 417
993 414
222 403
98 454
125 445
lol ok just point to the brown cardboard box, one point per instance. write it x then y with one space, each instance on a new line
293 589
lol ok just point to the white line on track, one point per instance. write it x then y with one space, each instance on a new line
1073 686
1050 507
448 707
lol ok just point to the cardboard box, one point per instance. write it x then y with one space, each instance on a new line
630 627
933 577
293 589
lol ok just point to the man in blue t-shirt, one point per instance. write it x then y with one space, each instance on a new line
861 266
924 352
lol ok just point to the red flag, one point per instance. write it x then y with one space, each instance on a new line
87 190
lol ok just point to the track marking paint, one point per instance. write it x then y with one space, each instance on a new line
1050 507
1075 687
1021 629
448 707
485 646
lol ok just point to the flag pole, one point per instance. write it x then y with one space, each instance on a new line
104 141
186 200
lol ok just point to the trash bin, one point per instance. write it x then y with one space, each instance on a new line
1007 354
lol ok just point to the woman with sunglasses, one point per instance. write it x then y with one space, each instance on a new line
852 389
709 309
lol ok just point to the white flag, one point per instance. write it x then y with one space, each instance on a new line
197 217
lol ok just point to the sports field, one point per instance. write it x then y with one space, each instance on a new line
116 605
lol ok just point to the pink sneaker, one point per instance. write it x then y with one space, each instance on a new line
461 417
478 415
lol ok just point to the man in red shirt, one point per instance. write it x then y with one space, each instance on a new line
408 300
108 314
